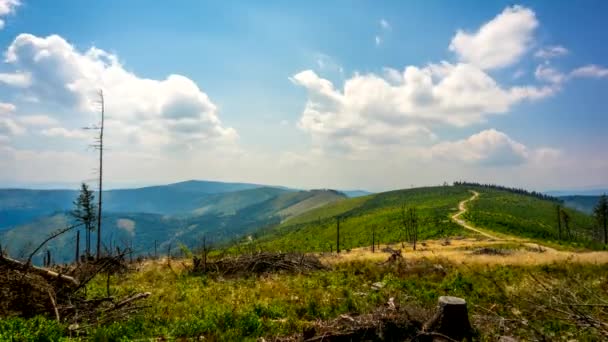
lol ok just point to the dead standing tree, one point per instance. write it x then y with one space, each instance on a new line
98 145
409 220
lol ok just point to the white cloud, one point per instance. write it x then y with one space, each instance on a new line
6 108
549 52
372 110
65 133
8 127
7 7
498 43
490 148
546 73
172 112
385 24
37 120
16 79
378 40
328 63
591 71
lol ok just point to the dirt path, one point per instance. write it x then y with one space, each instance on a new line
462 208
517 251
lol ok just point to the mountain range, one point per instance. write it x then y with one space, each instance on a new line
155 216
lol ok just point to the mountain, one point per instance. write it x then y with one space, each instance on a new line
503 211
220 217
582 203
20 206
581 192
356 193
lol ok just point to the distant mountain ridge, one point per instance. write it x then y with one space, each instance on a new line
19 206
219 216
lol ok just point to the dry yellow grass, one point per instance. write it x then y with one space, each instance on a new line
461 251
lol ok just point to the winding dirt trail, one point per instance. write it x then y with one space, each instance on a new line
462 208
461 250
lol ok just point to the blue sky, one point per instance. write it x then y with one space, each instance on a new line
348 94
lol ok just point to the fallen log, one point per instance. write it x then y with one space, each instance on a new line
131 299
47 274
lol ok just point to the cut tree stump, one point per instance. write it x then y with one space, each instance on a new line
451 319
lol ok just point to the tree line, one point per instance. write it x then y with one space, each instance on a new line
518 191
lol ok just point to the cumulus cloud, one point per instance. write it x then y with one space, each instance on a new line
498 43
549 52
375 110
16 79
170 112
401 105
7 7
590 71
490 148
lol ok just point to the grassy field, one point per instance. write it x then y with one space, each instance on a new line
187 306
382 213
528 217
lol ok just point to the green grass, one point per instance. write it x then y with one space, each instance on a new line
316 230
184 306
528 217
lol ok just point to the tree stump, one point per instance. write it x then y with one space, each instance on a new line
451 319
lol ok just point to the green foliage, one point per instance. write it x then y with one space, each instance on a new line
316 230
191 307
38 329
527 216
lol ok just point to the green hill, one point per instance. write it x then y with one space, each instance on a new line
526 216
519 214
221 218
315 230
21 206
580 202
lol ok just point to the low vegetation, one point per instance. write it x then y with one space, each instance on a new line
503 300
531 217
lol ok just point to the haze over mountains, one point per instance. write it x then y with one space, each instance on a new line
157 214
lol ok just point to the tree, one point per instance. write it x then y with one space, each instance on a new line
566 219
410 225
601 215
84 213
559 222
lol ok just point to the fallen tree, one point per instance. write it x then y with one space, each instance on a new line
259 263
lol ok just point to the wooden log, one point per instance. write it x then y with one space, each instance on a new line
131 299
451 319
48 274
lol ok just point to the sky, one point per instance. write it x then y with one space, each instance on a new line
371 95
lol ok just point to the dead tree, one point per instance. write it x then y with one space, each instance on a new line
98 145
559 222
100 174
77 254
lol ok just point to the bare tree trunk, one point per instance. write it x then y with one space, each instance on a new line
99 211
338 235
559 222
77 256
373 241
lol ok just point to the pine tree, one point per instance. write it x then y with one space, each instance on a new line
84 213
601 215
